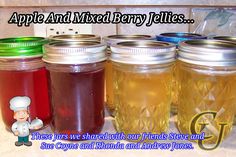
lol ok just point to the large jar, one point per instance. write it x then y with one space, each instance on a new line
22 73
108 70
142 78
207 78
175 38
76 86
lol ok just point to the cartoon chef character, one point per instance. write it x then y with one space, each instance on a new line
21 127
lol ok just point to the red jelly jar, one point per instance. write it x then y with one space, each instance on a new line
22 73
76 78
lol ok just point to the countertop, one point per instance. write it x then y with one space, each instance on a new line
8 148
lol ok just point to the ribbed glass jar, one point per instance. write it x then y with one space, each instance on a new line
108 70
142 79
175 38
207 78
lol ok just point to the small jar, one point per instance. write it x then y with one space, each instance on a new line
77 37
76 85
142 78
231 39
108 70
175 38
23 73
207 76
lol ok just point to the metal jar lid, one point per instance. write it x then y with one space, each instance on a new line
143 52
226 38
178 37
208 52
21 47
120 38
82 52
77 37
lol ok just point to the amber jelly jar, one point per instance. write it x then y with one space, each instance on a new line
176 38
207 77
108 68
76 80
231 39
142 78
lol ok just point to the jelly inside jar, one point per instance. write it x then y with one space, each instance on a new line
109 90
142 99
78 101
31 83
206 90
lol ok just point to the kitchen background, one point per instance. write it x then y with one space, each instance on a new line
212 17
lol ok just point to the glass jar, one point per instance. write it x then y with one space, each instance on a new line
76 37
231 39
142 78
108 70
76 79
175 38
22 73
207 78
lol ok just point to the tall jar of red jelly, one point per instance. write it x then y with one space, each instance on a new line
76 79
23 73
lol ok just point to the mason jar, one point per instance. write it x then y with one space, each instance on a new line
76 37
231 39
142 79
207 78
23 73
175 38
108 70
76 86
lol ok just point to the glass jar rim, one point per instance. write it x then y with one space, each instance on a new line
23 63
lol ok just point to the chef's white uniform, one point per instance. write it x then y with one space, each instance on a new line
22 128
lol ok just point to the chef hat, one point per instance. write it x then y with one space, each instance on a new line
19 103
